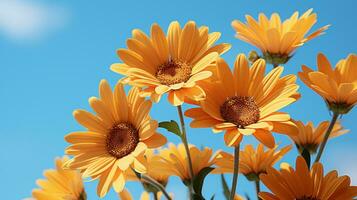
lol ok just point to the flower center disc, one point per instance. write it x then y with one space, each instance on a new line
241 111
173 72
122 140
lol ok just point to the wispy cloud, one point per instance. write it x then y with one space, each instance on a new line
346 164
26 20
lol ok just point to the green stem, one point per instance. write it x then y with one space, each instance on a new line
155 196
185 143
156 184
327 135
257 188
235 172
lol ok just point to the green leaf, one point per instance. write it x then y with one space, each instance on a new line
306 154
199 179
226 190
171 126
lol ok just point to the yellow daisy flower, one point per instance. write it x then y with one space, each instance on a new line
310 138
337 86
61 184
252 162
174 160
152 160
246 102
116 137
125 195
276 39
170 64
302 184
237 197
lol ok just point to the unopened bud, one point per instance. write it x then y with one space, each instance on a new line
253 56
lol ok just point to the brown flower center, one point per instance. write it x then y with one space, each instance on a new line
307 198
241 111
173 72
122 139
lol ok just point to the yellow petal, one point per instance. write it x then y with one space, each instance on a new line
160 43
187 41
155 141
176 98
232 137
204 62
89 121
174 31
241 75
119 183
125 195
105 181
265 137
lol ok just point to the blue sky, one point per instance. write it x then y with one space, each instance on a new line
54 53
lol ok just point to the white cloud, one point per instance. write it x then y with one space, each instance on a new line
348 167
346 164
27 20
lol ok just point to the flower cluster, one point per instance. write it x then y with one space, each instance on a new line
121 142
